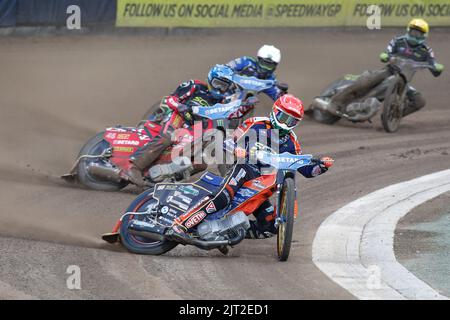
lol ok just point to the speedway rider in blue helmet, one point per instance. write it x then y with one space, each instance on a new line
187 94
220 81
261 67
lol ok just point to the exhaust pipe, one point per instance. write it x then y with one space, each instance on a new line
206 245
323 105
154 232
363 111
107 173
146 230
147 234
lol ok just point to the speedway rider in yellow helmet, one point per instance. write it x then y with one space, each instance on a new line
413 46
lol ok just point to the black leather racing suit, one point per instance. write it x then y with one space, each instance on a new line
399 46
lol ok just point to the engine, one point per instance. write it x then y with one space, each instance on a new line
360 111
223 228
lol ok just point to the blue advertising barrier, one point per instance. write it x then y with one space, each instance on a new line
8 13
54 12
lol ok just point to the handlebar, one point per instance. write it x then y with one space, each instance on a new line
400 62
252 83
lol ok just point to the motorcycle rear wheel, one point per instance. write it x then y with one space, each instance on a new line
287 215
137 244
95 146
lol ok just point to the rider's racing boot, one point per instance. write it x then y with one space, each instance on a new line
255 232
143 158
134 175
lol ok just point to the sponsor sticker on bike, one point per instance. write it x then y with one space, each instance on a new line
247 193
110 135
123 136
210 208
123 149
180 205
240 175
189 190
195 219
182 197
164 209
258 184
126 142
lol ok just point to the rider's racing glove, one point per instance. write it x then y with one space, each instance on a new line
439 67
326 162
185 111
284 87
384 57
323 166
173 103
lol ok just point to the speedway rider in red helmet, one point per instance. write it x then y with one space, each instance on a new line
277 130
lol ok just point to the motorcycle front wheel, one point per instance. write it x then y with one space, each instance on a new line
392 114
286 223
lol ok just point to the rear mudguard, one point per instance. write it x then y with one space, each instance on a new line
113 236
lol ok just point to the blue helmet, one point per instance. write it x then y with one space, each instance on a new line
220 79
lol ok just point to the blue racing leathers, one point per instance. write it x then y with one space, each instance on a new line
248 66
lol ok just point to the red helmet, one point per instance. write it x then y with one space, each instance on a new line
287 112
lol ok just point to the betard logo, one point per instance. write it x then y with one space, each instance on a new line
126 142
217 110
287 160
251 82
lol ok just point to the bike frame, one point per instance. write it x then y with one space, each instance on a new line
251 85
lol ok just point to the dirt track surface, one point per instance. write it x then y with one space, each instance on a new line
58 92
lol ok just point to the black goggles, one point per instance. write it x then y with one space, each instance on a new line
286 119
220 84
267 64
417 34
